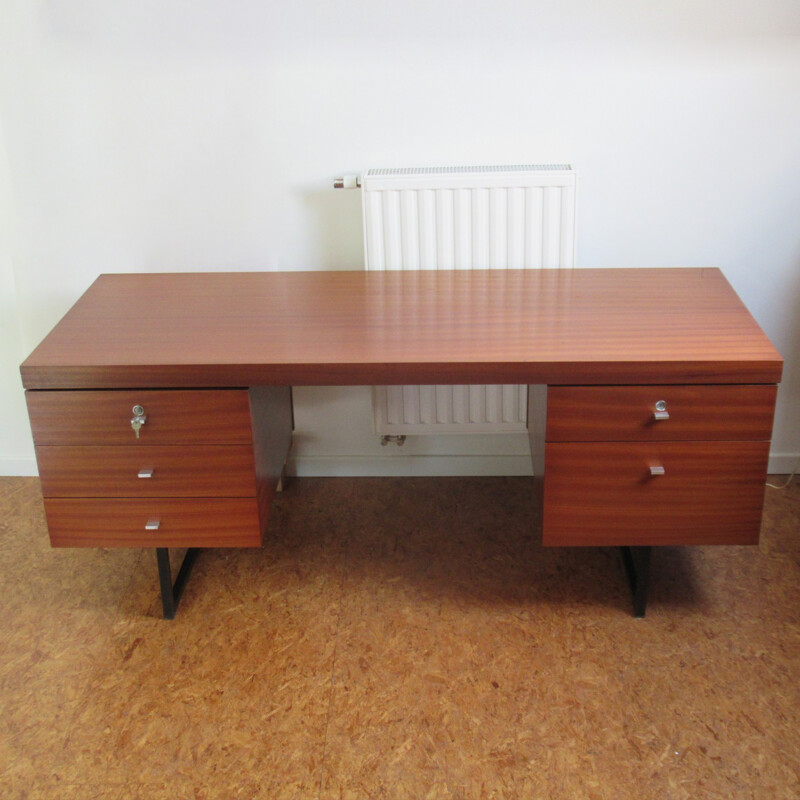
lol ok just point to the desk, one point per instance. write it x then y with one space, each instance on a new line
161 403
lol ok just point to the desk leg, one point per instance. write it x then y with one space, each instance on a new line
171 594
637 568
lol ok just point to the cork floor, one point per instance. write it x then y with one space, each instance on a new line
399 638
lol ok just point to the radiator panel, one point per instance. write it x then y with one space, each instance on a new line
450 409
520 217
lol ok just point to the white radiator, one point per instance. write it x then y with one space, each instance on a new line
464 218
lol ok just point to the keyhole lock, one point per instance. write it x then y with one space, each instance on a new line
139 419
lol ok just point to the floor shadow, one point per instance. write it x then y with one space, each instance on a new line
475 540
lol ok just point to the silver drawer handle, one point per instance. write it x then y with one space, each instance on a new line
146 473
661 410
657 470
152 525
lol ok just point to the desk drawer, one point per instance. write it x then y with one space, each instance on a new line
227 522
623 413
604 493
201 416
174 471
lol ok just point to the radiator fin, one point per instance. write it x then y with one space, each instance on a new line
518 217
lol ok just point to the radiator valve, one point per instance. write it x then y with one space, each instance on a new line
347 182
398 440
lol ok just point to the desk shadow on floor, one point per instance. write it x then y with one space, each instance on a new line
467 540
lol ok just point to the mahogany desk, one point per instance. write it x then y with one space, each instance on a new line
161 403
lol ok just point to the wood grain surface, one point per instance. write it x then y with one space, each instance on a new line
177 471
196 522
173 417
619 413
602 493
272 426
340 328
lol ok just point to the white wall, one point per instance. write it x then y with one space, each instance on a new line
204 135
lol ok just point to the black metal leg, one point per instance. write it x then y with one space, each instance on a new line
171 594
637 568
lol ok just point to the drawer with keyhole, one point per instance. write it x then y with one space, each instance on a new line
140 416
159 467
635 413
655 465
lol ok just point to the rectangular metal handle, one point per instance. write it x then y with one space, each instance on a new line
146 473
661 414
657 470
152 525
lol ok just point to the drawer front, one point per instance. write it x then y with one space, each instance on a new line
625 413
202 416
604 493
227 522
147 471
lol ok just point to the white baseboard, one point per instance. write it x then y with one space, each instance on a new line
407 466
18 466
782 463
398 465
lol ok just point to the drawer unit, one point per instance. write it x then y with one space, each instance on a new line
656 465
147 471
604 493
206 416
623 413
159 468
153 522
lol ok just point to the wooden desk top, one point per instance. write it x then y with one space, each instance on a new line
346 328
